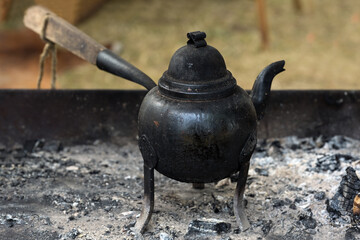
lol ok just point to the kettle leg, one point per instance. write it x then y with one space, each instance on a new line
239 209
148 202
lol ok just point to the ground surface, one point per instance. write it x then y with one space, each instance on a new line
94 191
319 44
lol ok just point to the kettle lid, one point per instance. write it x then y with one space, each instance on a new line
197 71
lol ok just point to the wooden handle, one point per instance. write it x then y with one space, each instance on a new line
59 31
62 33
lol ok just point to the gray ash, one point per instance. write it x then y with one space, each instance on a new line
94 191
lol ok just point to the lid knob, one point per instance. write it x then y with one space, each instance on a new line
197 39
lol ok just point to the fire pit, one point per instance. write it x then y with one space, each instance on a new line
71 153
71 169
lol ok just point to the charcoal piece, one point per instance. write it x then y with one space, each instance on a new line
320 195
345 158
108 208
96 198
31 145
218 207
94 171
295 143
338 142
278 202
341 203
47 221
355 220
332 162
68 162
262 171
276 144
53 146
252 195
308 144
292 206
266 227
352 234
307 220
72 234
294 188
328 163
15 183
10 221
294 147
215 205
129 225
207 227
125 154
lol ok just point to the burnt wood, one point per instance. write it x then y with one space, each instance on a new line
78 116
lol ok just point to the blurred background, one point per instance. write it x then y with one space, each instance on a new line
319 39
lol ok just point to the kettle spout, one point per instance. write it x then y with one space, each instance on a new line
262 85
